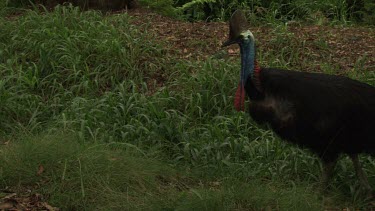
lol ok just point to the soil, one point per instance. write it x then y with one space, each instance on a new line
344 47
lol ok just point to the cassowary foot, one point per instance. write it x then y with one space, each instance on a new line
328 168
365 186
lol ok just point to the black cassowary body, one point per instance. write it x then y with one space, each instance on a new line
327 114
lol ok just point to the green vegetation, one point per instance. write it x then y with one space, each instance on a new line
80 95
342 11
116 176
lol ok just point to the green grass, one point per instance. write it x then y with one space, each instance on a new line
78 96
82 176
115 176
272 11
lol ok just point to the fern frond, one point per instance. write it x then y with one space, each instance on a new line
194 3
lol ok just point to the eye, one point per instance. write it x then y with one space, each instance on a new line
245 37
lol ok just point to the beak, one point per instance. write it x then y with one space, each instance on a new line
228 43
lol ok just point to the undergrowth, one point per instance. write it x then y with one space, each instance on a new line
78 96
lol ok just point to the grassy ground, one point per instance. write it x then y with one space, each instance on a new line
101 113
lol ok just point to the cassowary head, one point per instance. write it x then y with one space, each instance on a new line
239 33
238 29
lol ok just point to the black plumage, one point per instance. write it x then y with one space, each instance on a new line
327 114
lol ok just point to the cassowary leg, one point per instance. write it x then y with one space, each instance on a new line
360 174
328 168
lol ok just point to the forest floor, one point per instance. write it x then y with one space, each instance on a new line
199 40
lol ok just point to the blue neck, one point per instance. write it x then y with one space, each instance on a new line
247 50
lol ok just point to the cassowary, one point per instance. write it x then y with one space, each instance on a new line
327 114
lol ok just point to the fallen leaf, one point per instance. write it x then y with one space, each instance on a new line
10 196
113 159
49 207
6 143
40 170
6 206
187 56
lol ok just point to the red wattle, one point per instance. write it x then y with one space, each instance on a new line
239 98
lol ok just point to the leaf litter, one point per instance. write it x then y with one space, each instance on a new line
23 200
343 46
